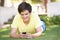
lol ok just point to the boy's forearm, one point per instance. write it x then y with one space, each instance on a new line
37 34
15 36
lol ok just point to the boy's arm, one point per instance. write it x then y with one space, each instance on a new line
38 32
13 33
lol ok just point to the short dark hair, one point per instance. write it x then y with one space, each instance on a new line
24 6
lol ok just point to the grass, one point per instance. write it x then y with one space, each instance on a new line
52 33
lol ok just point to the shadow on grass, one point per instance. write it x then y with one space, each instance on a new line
52 33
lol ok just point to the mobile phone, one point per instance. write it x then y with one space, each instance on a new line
23 32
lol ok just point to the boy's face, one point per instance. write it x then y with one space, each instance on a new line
25 15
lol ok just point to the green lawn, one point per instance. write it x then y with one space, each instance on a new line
52 33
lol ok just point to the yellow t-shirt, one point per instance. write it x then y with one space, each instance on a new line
30 28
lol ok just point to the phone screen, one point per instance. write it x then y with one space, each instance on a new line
23 32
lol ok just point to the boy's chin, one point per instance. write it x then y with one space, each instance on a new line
25 20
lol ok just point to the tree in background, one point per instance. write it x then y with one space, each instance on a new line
36 1
2 2
45 5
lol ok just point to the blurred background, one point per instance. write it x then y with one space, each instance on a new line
44 8
48 11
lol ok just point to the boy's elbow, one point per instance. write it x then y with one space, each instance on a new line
11 35
14 36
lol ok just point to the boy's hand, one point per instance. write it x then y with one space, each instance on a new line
26 36
29 36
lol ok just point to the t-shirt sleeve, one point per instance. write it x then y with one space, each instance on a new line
15 22
37 22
